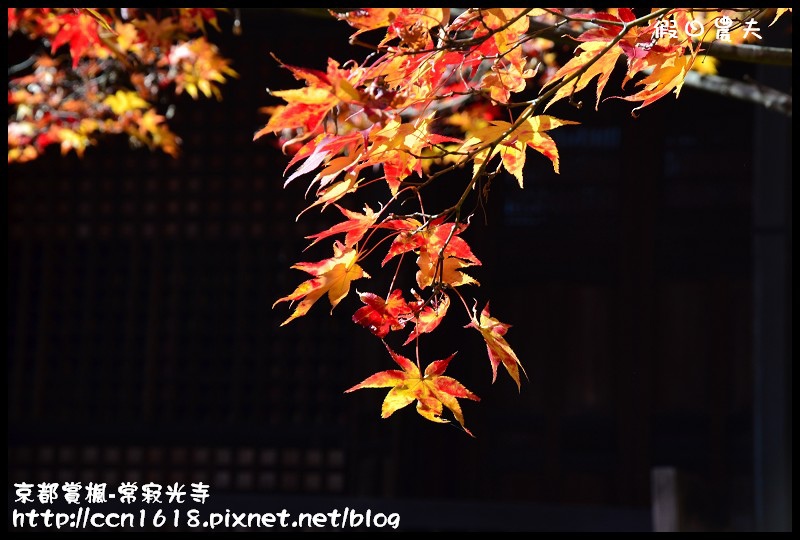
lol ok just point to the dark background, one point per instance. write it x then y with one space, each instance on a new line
648 285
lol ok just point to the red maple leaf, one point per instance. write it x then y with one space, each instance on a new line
79 30
381 316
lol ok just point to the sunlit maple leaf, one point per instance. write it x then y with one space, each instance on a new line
502 81
493 332
334 192
356 226
380 316
307 107
323 151
396 146
450 270
431 390
331 276
413 26
366 19
666 77
442 254
603 66
512 142
408 239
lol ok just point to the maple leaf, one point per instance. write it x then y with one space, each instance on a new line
380 316
366 19
356 226
455 258
322 151
429 242
431 390
76 139
307 107
200 67
158 32
150 123
331 276
124 101
197 17
493 332
413 26
511 147
79 30
334 192
603 67
429 317
667 76
410 237
396 146
501 82
126 35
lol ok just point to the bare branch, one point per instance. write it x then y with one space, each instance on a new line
753 54
768 98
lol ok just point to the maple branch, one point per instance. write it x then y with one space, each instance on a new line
529 110
449 43
579 73
767 97
753 54
568 18
527 113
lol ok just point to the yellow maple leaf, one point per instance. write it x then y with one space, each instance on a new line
124 100
512 142
331 276
602 67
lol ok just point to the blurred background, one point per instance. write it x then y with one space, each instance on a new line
648 285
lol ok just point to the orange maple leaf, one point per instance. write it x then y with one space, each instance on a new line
431 390
307 107
396 145
666 76
366 19
412 25
429 242
603 67
512 143
498 348
332 276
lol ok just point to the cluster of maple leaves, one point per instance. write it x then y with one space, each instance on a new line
436 73
103 71
444 89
